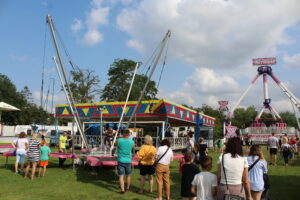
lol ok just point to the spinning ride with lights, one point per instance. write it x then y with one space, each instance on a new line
265 70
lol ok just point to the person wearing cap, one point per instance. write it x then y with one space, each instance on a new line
44 157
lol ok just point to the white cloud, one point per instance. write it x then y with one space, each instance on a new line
292 61
212 33
204 87
96 17
219 38
77 25
135 44
92 37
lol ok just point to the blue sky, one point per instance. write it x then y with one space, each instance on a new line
211 47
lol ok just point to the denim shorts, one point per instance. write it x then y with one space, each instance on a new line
20 158
124 169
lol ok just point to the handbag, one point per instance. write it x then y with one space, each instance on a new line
156 162
15 151
229 196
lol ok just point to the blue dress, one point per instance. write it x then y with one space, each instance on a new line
256 173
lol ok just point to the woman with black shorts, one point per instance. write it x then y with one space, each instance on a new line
147 158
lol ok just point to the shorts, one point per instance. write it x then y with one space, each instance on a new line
273 151
147 170
20 158
43 163
124 168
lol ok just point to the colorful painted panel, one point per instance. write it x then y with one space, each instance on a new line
157 108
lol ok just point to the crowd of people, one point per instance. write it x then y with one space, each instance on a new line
243 177
35 151
236 175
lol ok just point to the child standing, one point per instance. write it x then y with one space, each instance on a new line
189 170
205 183
44 157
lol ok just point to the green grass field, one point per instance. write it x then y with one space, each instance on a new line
63 184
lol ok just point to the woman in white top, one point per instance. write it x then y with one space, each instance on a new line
164 157
236 170
21 145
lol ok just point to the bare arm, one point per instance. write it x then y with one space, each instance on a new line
14 145
246 183
214 191
206 150
194 189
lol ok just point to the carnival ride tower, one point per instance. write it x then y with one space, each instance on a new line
265 70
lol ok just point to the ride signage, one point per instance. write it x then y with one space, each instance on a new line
223 105
264 61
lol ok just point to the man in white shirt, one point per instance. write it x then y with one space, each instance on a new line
273 145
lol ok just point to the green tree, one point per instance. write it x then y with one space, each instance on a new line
30 112
120 76
84 85
26 93
244 117
289 118
207 110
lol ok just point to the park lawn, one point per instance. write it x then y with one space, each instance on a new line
61 184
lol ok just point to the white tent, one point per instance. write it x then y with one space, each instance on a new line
6 107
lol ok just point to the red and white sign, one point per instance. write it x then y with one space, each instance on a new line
231 131
264 61
223 105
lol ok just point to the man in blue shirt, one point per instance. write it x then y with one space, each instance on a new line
125 149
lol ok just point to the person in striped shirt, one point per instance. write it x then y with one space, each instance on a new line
33 155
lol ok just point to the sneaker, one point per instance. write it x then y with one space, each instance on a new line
16 172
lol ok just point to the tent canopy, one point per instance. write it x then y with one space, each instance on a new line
7 107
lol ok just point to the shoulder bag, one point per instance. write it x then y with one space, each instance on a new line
251 166
156 162
230 196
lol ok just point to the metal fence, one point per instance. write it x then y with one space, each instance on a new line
98 141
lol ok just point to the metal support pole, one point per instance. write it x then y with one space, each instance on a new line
72 135
288 93
66 82
69 101
163 131
265 82
164 42
230 114
295 115
124 108
260 112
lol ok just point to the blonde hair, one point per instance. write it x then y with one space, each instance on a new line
148 140
285 140
255 150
